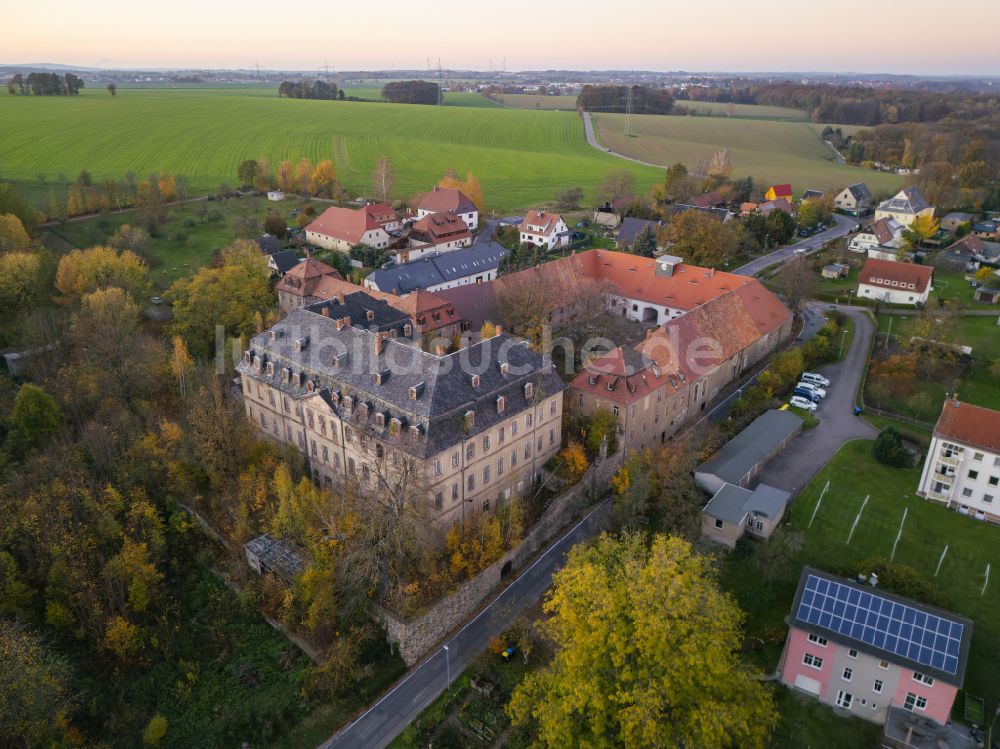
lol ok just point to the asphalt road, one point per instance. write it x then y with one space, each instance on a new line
844 226
588 129
387 718
794 466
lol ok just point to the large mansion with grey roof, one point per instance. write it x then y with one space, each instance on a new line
345 383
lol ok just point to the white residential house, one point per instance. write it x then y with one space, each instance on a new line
449 200
342 228
882 240
855 199
962 468
904 206
544 229
895 283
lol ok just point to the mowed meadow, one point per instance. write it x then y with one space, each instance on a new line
770 150
522 158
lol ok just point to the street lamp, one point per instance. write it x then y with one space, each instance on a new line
843 337
447 663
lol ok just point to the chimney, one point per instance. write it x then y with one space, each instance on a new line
340 323
439 350
380 339
340 297
326 312
499 330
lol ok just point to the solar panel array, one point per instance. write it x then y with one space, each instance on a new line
882 623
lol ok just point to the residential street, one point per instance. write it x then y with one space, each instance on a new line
390 715
801 460
588 128
845 225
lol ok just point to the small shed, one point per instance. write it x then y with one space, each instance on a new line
733 511
269 554
741 459
988 294
836 270
275 195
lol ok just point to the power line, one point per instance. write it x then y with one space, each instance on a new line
628 113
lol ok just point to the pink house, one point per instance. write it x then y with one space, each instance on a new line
868 651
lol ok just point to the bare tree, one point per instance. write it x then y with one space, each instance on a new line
798 282
383 177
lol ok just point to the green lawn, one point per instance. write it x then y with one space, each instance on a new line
539 101
769 151
764 577
190 237
952 286
745 111
522 158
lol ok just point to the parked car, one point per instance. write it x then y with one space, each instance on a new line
814 388
157 300
809 395
815 379
802 250
805 405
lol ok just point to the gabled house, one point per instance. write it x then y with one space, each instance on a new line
707 200
435 232
873 654
632 228
855 199
780 191
544 230
298 286
449 200
955 219
904 206
609 215
812 195
282 261
975 252
894 282
342 228
471 265
881 241
778 204
733 511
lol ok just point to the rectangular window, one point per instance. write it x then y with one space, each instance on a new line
513 428
817 640
848 674
552 408
486 474
884 665
326 454
500 466
877 686
513 459
539 446
852 653
438 500
437 467
923 678
527 421
471 483
914 702
973 475
486 442
470 451
812 661
994 480
527 451
719 523
844 699
978 457
454 459
500 436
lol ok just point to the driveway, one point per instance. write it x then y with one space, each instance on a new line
844 226
387 718
812 449
588 129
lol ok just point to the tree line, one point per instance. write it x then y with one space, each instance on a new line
615 98
412 92
310 89
44 84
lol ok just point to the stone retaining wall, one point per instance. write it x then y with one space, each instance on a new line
417 636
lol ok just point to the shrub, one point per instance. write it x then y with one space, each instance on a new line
154 731
900 579
889 449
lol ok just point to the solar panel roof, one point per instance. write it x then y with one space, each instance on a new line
926 637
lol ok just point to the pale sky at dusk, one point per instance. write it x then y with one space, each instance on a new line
863 36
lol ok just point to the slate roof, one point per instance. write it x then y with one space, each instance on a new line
443 384
281 558
906 201
881 623
812 194
362 309
269 244
860 191
748 448
438 268
719 214
781 204
475 303
631 228
970 425
732 503
284 260
878 272
446 199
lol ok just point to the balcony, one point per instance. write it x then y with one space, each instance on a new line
952 461
938 496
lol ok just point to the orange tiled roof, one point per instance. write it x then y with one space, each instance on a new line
970 425
544 223
304 277
877 272
349 224
442 199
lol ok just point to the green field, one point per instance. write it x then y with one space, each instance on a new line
769 151
746 111
522 158
539 101
765 583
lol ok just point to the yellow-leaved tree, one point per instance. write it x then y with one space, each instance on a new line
470 186
645 654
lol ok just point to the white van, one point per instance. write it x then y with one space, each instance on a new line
815 379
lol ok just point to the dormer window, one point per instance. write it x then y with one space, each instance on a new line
286 374
395 425
382 377
592 379
416 390
501 404
611 385
310 386
469 420
301 343
270 369
363 410
475 380
529 391
380 420
348 403
408 330
370 314
340 360
504 367
414 431
247 357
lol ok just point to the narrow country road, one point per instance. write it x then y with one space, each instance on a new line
844 226
387 718
588 128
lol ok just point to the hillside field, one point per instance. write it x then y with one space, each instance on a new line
521 158
746 111
768 150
